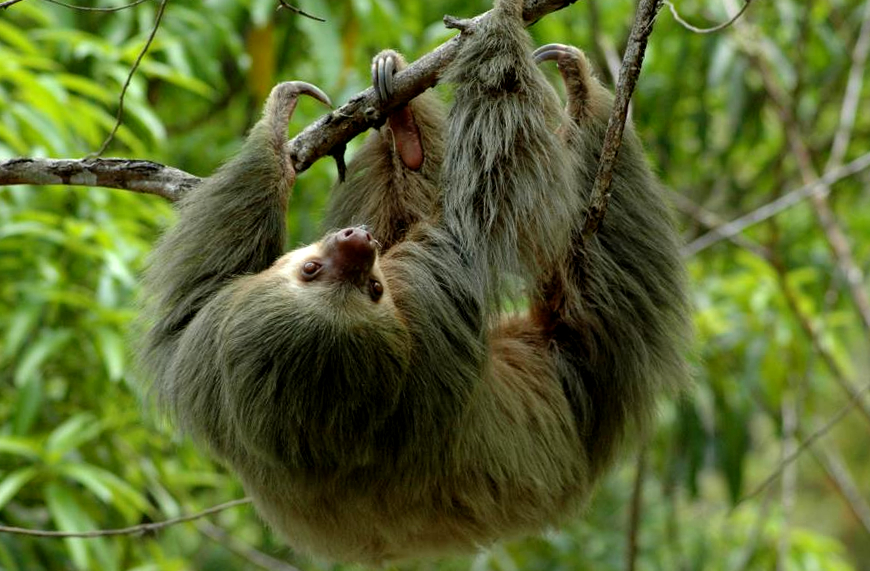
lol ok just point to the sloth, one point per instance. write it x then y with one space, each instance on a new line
456 364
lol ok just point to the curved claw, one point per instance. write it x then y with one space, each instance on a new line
284 96
553 52
388 76
294 88
278 110
383 69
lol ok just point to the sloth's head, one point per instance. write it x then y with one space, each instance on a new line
322 340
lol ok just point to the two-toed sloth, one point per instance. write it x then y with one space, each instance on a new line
367 389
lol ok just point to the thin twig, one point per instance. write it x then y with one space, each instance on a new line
811 330
832 422
92 9
712 30
283 4
789 477
120 116
839 474
789 199
710 220
132 530
8 3
628 76
849 109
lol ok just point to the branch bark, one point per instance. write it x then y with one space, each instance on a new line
128 174
628 76
326 136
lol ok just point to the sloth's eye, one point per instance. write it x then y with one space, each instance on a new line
376 289
310 270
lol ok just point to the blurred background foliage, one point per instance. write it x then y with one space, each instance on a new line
732 121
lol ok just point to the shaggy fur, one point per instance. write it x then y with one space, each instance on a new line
423 421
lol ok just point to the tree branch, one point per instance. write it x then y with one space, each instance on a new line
132 530
326 136
628 76
127 174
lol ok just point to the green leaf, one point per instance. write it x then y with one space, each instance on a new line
15 38
71 434
87 87
146 117
68 515
109 488
166 73
46 345
113 350
24 447
19 327
30 397
13 482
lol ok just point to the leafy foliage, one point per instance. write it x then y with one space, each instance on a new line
778 329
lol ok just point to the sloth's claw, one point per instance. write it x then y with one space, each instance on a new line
556 52
384 66
289 90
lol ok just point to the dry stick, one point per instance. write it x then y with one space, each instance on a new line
714 29
823 430
120 117
628 75
708 220
132 530
789 477
789 199
839 474
812 332
331 131
849 109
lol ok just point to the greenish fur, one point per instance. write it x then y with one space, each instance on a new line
426 422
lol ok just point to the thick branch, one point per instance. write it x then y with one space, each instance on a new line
128 174
328 135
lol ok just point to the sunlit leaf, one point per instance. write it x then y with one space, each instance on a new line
166 73
68 515
112 349
72 433
20 325
16 39
24 447
38 352
12 482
